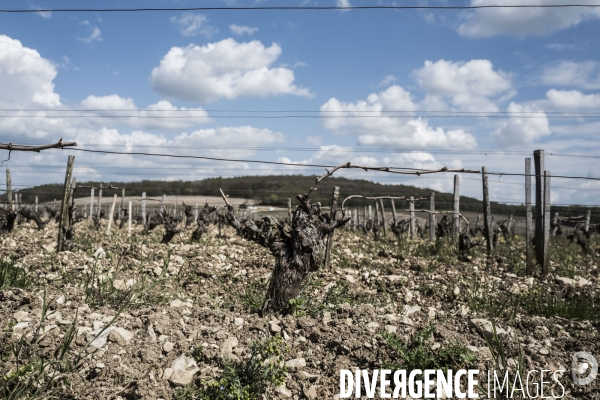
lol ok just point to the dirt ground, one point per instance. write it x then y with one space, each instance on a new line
155 321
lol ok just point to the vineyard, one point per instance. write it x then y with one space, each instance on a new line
216 302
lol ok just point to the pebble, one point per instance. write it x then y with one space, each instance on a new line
544 351
372 326
295 364
391 328
283 391
168 347
121 336
184 369
274 327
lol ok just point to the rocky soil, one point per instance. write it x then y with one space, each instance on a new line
152 320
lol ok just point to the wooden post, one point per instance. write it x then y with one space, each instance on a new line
144 208
394 216
555 223
129 222
290 210
546 242
587 220
100 202
354 218
17 201
364 217
112 213
487 223
36 204
91 205
334 206
196 211
432 221
122 203
164 199
528 219
175 206
370 215
455 216
64 208
376 214
509 227
73 186
383 219
412 226
538 159
9 189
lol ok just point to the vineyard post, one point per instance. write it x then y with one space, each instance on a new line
555 223
175 206
376 214
546 237
354 219
122 203
456 216
36 204
100 202
370 214
17 200
364 223
73 186
164 198
144 208
9 189
129 222
91 205
112 212
587 220
290 210
383 219
394 215
54 204
432 217
329 244
487 223
413 228
538 159
64 208
529 218
510 223
196 211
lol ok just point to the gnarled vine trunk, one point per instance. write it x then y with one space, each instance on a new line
202 222
298 250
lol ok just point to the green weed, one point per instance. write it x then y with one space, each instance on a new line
417 354
243 380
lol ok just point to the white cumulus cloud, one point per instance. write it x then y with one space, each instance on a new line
526 124
225 69
190 24
470 86
521 22
25 77
371 121
242 30
585 74
572 99
161 115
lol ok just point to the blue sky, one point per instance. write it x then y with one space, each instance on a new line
509 73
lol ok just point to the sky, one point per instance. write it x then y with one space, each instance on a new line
400 88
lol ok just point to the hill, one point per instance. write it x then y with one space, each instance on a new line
276 189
